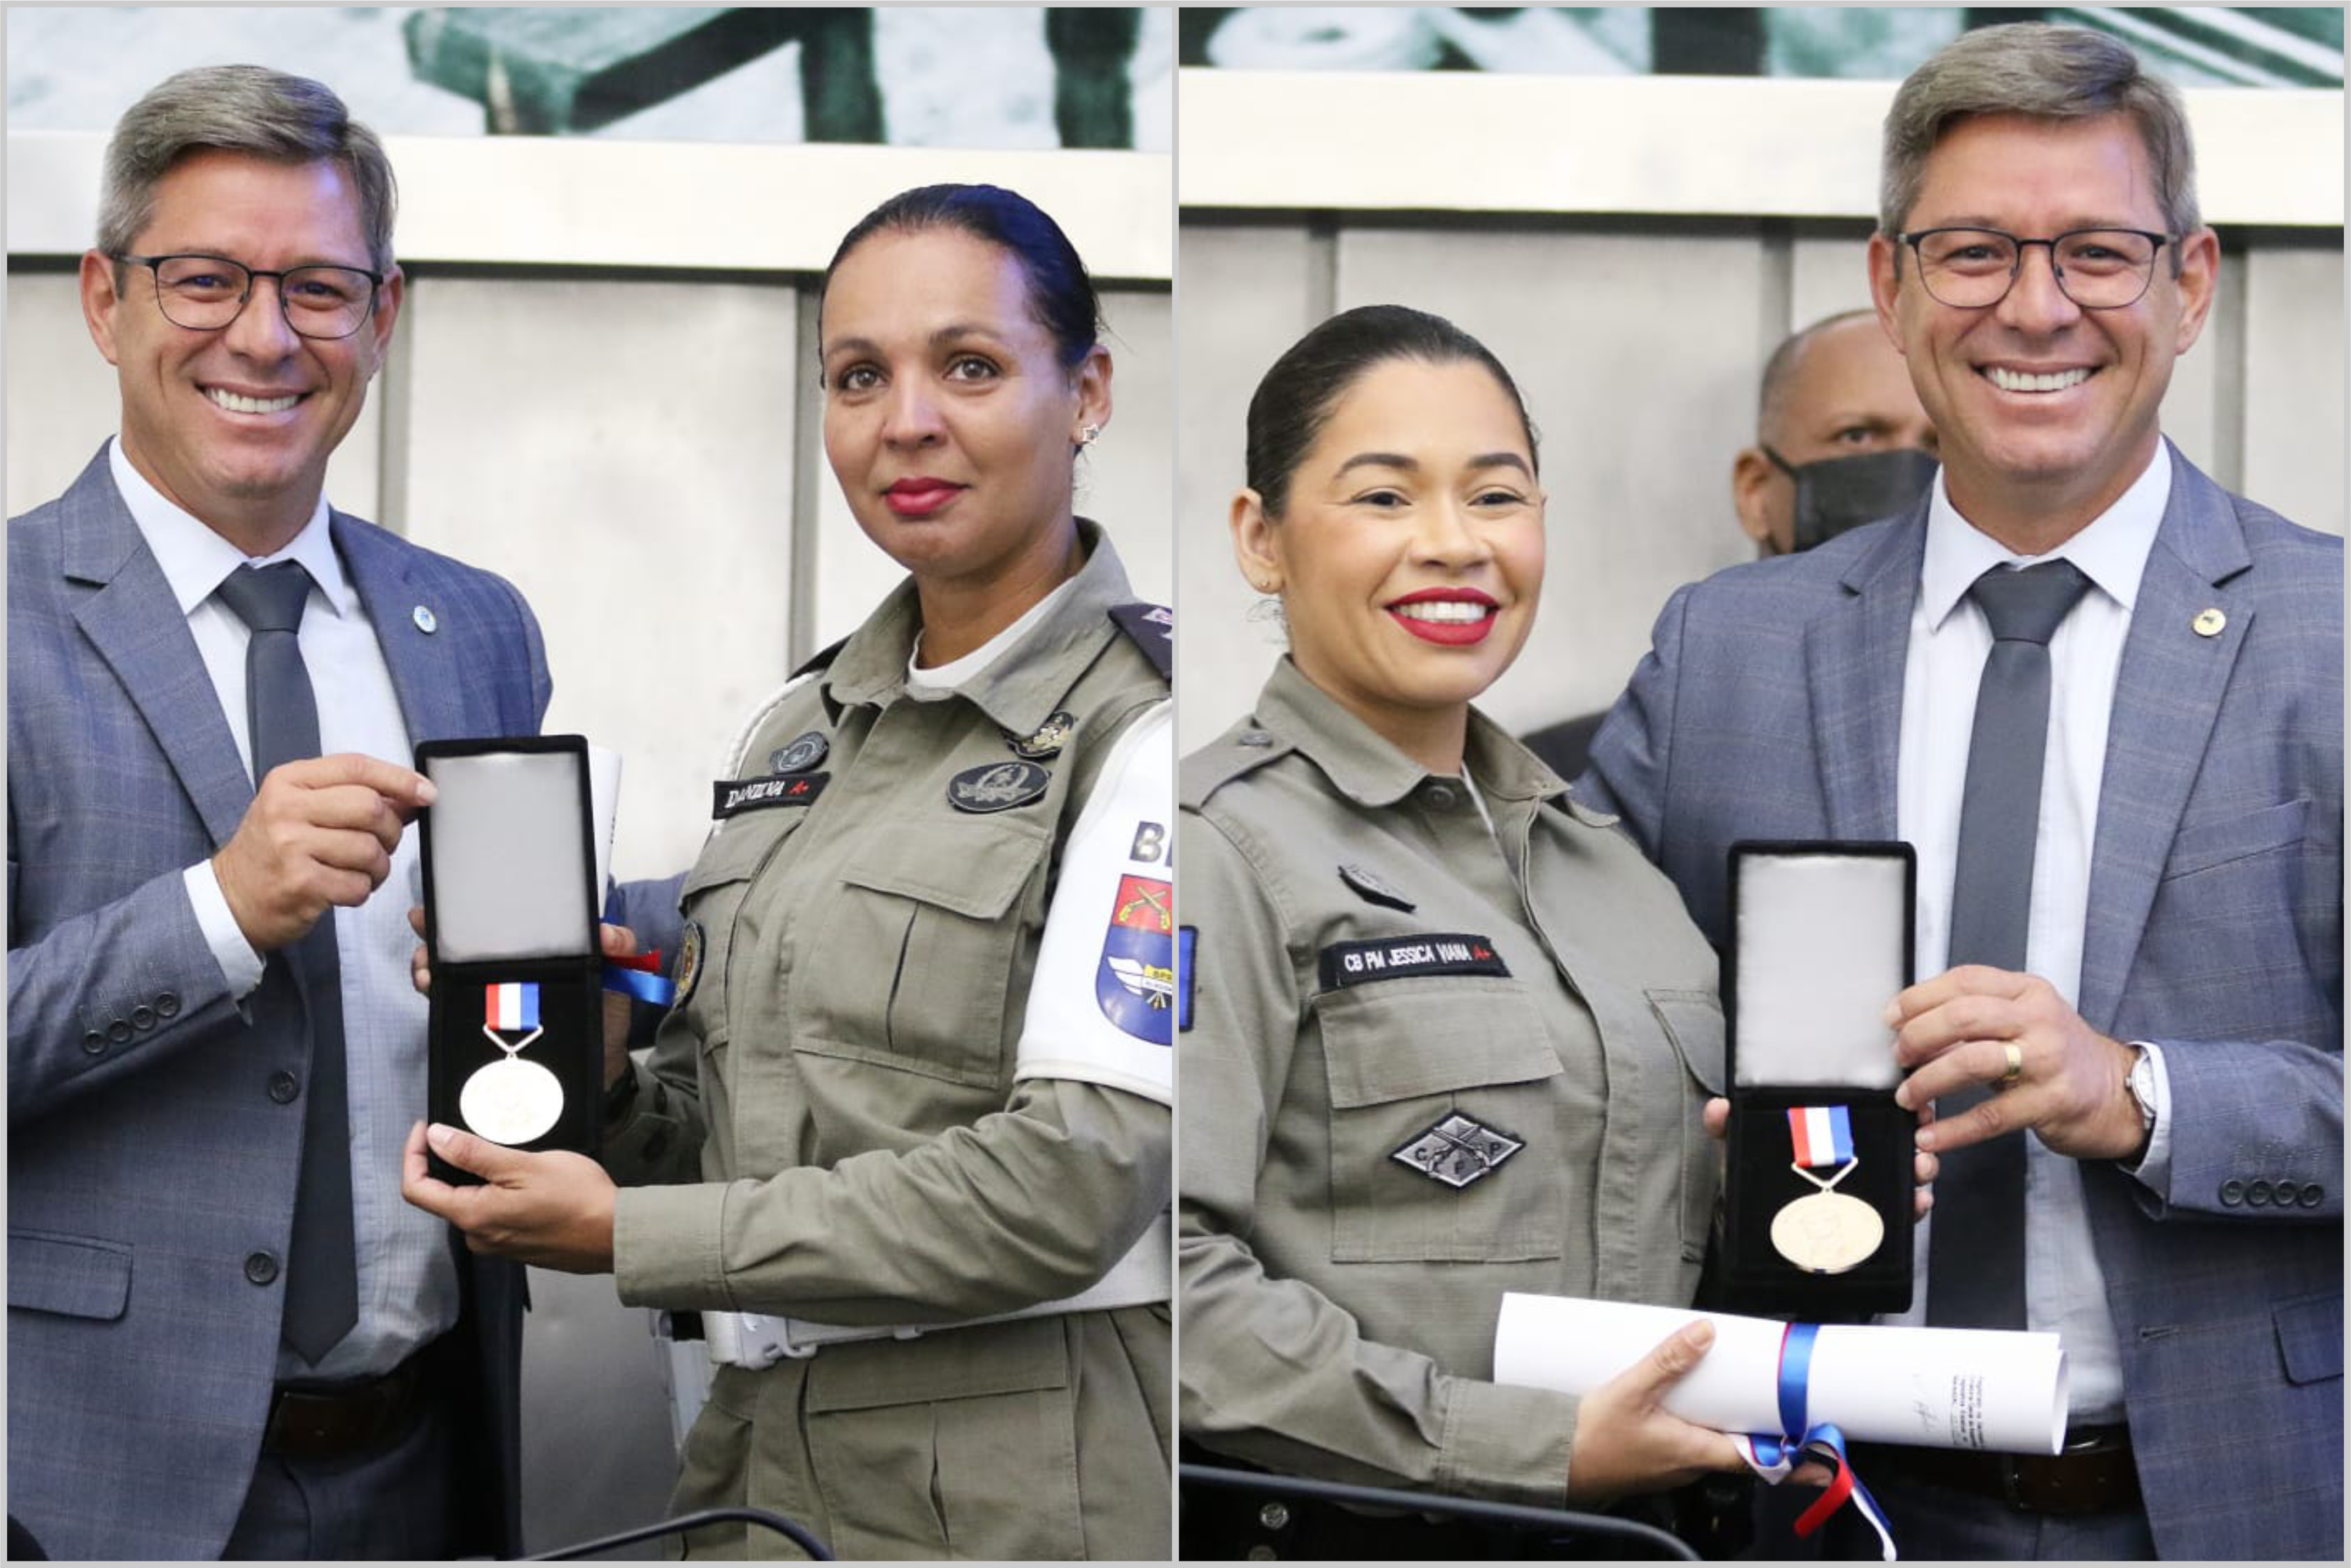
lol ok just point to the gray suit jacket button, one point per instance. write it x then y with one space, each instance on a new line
284 1087
2310 1195
167 1006
142 1018
2232 1193
2285 1193
260 1268
119 1031
93 1042
2257 1194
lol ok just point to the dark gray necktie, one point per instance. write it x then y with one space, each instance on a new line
282 713
1974 1264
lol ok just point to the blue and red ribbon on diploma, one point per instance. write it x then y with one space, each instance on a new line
1774 1457
640 976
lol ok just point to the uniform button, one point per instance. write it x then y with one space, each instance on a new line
284 1087
260 1268
1273 1516
2257 1194
142 1018
119 1031
167 1006
2232 1193
93 1042
1254 738
2310 1195
2285 1193
1440 795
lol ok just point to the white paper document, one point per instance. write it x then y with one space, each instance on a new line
1935 1388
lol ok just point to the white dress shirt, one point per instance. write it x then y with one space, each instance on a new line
2065 1289
407 1275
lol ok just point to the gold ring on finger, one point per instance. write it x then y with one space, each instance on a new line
2015 1065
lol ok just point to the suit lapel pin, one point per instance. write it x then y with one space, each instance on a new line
2209 623
426 622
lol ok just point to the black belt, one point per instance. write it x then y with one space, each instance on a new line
2094 1474
348 1419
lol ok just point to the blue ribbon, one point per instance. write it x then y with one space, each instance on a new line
658 990
1796 1437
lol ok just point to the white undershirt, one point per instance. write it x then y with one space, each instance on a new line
956 672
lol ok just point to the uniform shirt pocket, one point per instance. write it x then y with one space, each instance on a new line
912 963
1444 1143
711 898
1693 1021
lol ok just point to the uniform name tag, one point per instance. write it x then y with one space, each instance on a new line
732 797
1406 958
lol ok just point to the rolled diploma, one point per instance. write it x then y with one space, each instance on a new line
1934 1388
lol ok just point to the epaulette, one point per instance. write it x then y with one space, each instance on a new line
1235 754
1152 627
821 659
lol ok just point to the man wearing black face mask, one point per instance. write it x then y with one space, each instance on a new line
1840 440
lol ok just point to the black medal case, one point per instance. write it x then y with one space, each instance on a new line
510 898
1823 936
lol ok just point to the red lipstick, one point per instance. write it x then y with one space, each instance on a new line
920 497
1449 634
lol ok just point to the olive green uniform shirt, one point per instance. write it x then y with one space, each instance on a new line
1373 972
834 1107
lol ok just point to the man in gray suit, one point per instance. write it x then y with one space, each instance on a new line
2156 1172
227 1333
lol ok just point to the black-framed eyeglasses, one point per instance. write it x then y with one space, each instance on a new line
2098 269
205 293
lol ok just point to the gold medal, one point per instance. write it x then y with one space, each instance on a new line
1826 1232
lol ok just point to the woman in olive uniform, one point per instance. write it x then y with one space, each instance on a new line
1447 1033
918 1070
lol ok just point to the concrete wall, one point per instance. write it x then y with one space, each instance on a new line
1638 343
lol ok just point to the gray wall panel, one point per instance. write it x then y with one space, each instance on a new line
1247 293
621 451
2293 408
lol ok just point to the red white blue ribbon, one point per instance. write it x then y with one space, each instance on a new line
513 1005
1775 1457
1823 1133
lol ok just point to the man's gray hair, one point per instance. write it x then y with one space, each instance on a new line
240 109
2047 72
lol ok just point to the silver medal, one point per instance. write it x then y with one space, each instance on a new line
511 1101
1826 1232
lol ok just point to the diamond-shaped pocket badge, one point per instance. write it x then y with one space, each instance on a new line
1457 1151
